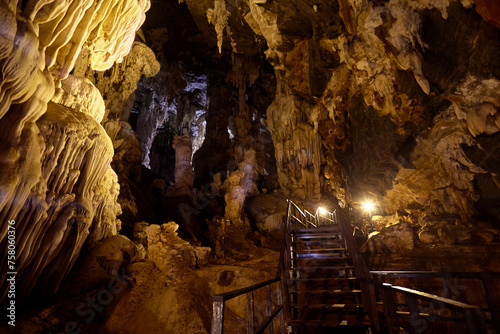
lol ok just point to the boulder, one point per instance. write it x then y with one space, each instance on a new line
396 238
267 211
379 222
428 234
453 233
140 235
374 244
273 223
171 254
486 231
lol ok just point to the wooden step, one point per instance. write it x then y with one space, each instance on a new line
333 292
332 229
316 242
321 250
318 246
319 256
315 232
333 279
325 268
327 323
314 236
329 306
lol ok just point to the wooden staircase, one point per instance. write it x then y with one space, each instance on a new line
324 294
322 285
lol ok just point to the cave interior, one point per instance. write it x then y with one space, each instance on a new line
154 153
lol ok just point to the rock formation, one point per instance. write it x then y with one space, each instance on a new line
171 254
183 170
56 180
218 110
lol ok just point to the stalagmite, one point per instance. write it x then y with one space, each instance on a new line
183 170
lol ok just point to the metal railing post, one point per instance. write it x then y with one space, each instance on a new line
415 320
250 315
269 308
218 316
389 308
280 302
475 322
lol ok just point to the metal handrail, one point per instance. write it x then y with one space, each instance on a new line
296 207
361 270
472 314
224 297
436 274
220 299
219 304
483 277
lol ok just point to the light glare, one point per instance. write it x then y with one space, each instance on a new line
322 211
368 206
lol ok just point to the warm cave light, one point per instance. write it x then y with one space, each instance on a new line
322 211
368 206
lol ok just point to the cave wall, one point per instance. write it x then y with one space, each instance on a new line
56 181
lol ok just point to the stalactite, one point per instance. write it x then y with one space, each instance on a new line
218 16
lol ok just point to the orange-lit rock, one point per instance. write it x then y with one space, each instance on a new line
489 10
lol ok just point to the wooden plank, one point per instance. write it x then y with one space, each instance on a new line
492 306
436 274
250 315
321 257
269 308
419 325
346 268
217 318
286 304
328 323
268 320
328 306
475 322
280 303
314 236
328 279
321 250
331 229
448 295
332 292
390 314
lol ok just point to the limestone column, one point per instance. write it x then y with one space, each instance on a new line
183 173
